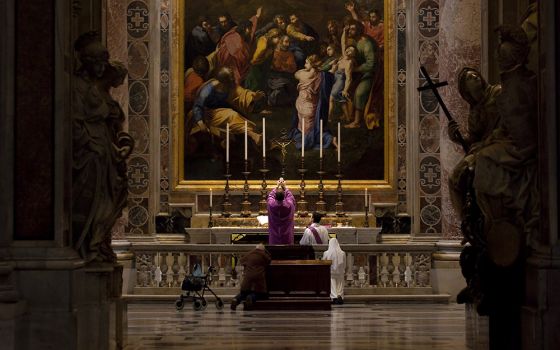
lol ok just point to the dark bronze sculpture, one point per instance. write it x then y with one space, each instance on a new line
494 186
505 177
482 120
100 150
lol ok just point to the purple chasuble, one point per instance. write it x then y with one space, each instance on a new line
281 218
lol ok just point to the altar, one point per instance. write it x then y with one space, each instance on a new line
238 235
297 285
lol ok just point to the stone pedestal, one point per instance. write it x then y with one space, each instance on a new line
66 306
11 309
540 315
476 329
11 314
100 311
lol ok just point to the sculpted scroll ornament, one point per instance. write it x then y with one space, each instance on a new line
100 149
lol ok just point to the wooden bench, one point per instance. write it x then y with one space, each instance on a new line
297 285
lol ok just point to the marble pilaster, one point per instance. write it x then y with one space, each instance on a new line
34 126
541 308
117 46
460 44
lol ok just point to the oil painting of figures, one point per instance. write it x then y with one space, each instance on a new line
312 72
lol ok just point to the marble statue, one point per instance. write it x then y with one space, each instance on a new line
494 188
530 25
505 179
482 120
100 150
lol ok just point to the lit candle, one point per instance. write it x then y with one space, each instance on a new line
264 139
302 136
321 139
245 140
227 142
365 197
210 198
339 143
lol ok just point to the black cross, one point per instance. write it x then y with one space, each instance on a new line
434 87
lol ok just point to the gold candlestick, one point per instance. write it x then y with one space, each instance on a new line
246 205
321 204
339 204
226 205
302 203
262 204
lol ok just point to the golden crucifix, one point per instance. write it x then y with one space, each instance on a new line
283 141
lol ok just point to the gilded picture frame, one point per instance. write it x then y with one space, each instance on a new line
180 184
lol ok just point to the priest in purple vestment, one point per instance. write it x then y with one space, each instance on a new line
281 210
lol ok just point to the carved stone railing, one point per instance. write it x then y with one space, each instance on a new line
371 268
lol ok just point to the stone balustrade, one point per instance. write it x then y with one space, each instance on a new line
372 269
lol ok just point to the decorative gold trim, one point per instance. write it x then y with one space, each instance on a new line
177 63
387 185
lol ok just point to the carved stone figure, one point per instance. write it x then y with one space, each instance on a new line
482 120
495 187
100 148
529 23
505 179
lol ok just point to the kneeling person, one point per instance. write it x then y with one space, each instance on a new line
253 287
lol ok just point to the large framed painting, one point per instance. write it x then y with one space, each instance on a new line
263 83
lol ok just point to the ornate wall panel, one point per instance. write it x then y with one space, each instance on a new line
450 29
427 18
164 35
402 137
460 44
138 30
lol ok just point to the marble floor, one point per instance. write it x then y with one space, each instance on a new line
350 326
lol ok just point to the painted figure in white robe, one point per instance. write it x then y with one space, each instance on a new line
308 87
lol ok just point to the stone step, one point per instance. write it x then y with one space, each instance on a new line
347 290
394 298
400 298
290 303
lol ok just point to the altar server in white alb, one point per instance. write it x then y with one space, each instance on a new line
315 233
338 266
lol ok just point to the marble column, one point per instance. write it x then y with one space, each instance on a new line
460 46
